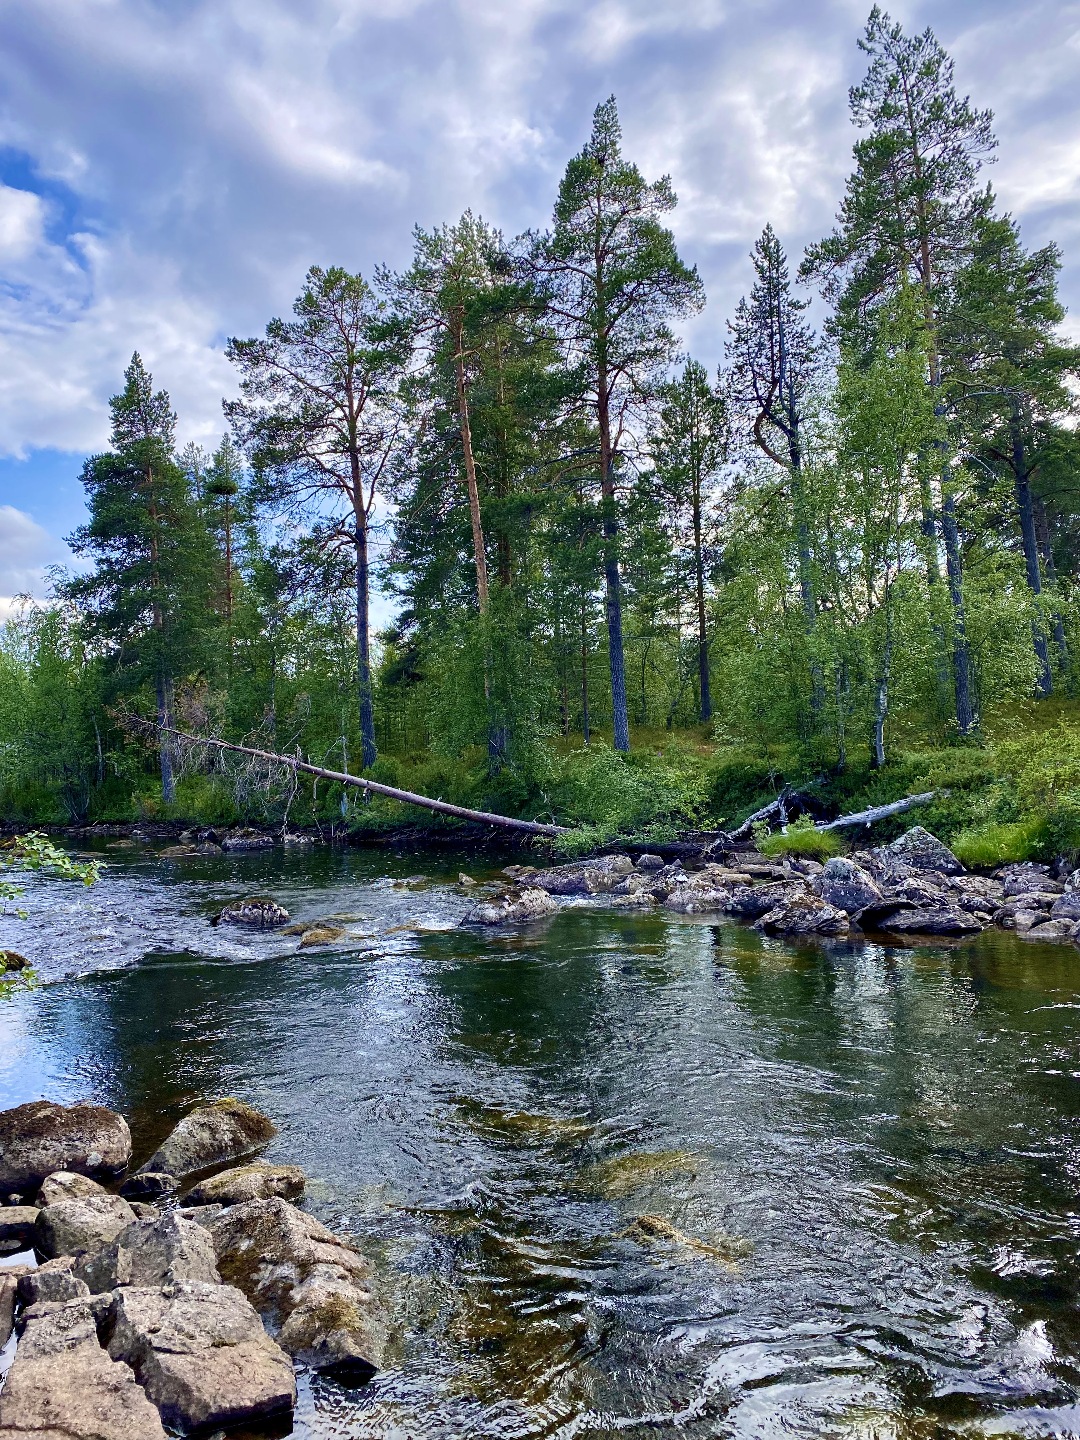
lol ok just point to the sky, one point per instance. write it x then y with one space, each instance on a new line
169 169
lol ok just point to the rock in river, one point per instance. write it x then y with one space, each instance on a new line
846 885
211 1135
66 1185
312 1287
41 1137
258 912
249 1182
941 921
513 908
804 915
63 1386
201 1354
162 1251
86 1223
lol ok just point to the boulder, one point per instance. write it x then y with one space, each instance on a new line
846 886
11 960
149 1185
940 921
1066 906
650 862
1026 878
312 1287
1056 932
694 900
804 915
53 1283
320 935
249 1182
514 908
41 1137
753 901
8 1291
86 1223
63 1386
920 850
66 1185
258 912
211 1135
201 1354
247 839
585 877
16 1227
162 1251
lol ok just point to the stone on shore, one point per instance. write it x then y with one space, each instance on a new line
63 1386
40 1137
249 1182
87 1223
847 886
66 1185
53 1283
201 1354
804 915
312 1287
514 908
920 850
211 1135
163 1251
258 912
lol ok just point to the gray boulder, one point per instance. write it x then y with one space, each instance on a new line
8 1291
53 1283
516 907
149 1185
258 912
1066 906
162 1251
585 877
312 1287
923 851
1054 932
211 1135
941 921
753 901
650 862
846 886
1027 879
66 1185
247 839
201 1354
88 1223
249 1182
16 1227
41 1137
63 1386
804 915
696 900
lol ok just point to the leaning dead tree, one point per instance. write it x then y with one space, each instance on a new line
297 766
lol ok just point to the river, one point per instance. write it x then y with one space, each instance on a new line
620 1174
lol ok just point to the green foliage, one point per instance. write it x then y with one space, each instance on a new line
36 852
998 844
800 838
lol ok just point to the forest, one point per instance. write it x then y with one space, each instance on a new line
630 594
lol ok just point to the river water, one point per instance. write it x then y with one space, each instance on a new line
620 1174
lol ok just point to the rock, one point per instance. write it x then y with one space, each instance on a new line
223 1130
585 877
16 1227
249 1182
1066 906
86 1223
41 1137
207 847
804 915
203 1215
53 1283
247 839
177 852
941 921
66 1185
466 880
846 886
63 1386
162 1251
258 912
694 900
320 935
1024 878
753 901
8 1291
923 851
519 872
1055 931
650 862
514 908
312 1287
201 1354
1025 919
12 960
149 1185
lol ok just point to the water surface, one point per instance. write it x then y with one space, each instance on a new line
621 1175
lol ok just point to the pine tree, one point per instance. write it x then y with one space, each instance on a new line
614 281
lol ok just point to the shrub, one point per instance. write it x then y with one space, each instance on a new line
800 838
998 844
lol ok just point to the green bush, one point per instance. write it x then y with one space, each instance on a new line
801 839
992 844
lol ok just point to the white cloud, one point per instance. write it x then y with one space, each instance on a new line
22 223
25 551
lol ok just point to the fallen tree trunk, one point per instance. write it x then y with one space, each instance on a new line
405 797
879 812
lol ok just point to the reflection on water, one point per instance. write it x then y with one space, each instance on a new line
621 1174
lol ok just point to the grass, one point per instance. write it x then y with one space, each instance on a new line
802 841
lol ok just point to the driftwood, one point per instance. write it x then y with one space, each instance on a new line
879 812
341 777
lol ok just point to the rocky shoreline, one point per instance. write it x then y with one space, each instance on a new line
176 1298
914 888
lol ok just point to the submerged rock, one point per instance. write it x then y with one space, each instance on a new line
201 1354
211 1135
149 1185
257 912
85 1223
63 1386
249 1182
164 1250
320 935
513 908
312 1287
39 1138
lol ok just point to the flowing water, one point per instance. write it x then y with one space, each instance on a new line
620 1174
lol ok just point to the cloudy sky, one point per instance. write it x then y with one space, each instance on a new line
170 168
